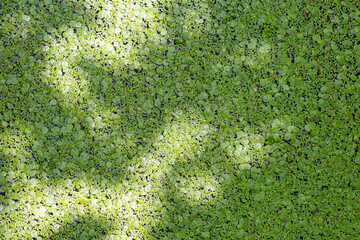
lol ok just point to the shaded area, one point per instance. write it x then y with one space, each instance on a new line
84 227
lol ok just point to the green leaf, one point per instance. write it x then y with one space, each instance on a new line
53 102
357 159
158 102
147 105
240 234
196 223
26 17
92 233
205 234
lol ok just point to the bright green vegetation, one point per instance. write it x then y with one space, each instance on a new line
179 119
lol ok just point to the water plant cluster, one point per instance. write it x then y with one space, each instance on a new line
179 119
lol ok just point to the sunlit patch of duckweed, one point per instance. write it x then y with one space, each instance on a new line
183 137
